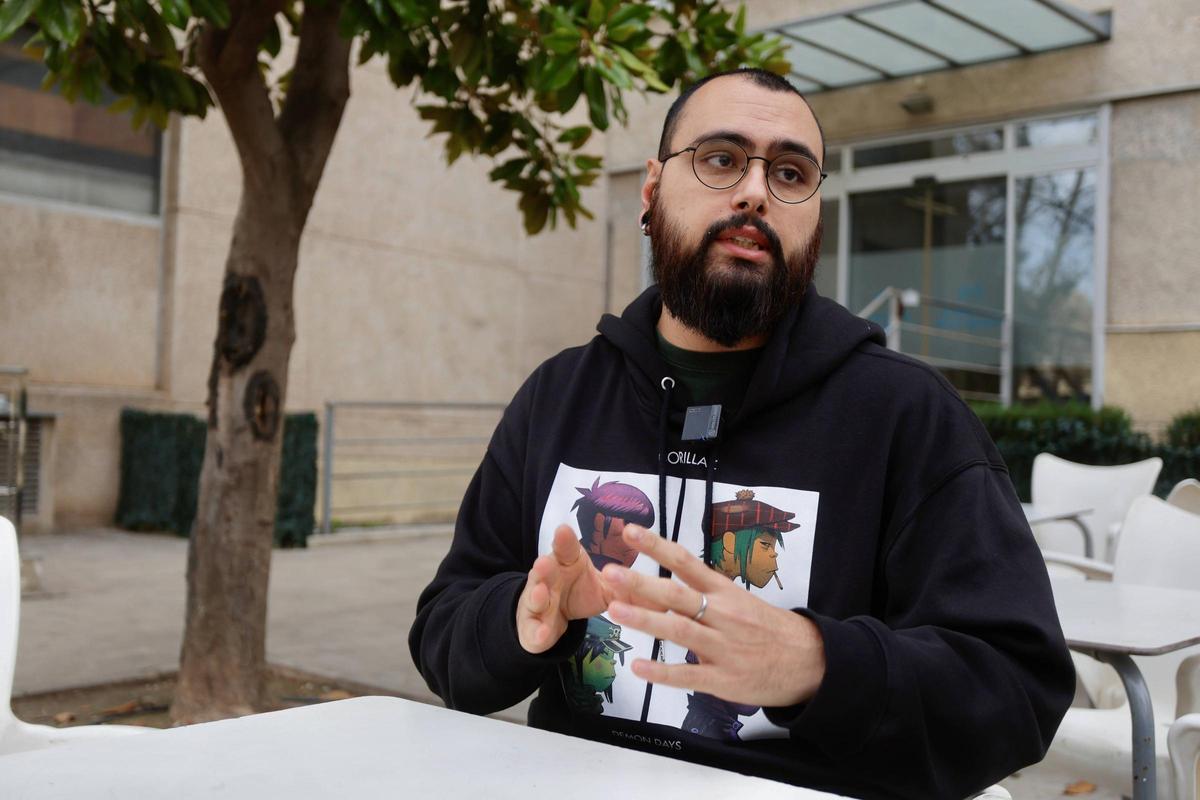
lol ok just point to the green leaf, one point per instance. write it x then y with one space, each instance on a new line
536 209
560 71
630 12
588 163
593 87
13 14
596 14
177 13
576 137
215 11
273 41
562 41
509 169
62 19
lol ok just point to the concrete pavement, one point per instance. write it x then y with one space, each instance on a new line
112 607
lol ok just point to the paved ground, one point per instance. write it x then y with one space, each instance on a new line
112 605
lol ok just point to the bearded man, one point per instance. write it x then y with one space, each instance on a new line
914 650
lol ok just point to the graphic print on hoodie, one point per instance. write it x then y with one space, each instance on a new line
769 552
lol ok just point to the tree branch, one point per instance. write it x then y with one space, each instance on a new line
229 60
317 94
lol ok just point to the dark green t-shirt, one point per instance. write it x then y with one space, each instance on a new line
710 378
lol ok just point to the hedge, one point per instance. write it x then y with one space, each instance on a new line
161 458
1078 433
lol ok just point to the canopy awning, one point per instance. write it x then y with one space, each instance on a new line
899 38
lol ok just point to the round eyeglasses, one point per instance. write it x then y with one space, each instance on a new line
720 164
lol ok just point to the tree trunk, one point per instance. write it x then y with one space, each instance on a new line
223 658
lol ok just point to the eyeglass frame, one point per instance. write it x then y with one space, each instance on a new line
746 171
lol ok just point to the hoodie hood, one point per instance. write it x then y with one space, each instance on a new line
811 341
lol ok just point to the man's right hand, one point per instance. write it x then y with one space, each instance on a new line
562 586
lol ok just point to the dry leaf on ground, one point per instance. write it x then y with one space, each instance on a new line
336 694
63 717
123 708
1080 787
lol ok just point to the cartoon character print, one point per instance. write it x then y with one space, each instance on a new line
593 669
603 511
743 539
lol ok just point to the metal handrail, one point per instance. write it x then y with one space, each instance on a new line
897 300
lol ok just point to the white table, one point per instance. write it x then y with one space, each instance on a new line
1035 515
367 747
1113 622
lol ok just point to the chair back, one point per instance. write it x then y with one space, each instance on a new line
1159 546
1186 495
1107 490
10 616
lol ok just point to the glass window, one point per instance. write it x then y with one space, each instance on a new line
1059 132
72 152
955 145
833 162
1053 300
826 276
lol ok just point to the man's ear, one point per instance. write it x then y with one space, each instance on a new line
653 172
728 541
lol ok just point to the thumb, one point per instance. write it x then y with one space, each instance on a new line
567 549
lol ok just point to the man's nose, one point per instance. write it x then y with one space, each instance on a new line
751 194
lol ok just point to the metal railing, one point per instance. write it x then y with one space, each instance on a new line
402 459
12 441
898 301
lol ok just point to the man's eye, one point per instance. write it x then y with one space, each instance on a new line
789 174
721 160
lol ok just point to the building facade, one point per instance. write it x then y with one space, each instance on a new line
1040 209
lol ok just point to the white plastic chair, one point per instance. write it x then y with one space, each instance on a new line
1159 546
1108 491
1186 495
15 734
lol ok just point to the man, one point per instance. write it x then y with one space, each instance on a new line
912 652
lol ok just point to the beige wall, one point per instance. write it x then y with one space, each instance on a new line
415 281
1154 258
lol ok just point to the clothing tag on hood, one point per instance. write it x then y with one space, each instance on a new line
701 423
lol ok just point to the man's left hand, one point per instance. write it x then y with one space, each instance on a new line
750 651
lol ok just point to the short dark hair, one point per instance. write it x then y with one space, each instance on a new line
759 77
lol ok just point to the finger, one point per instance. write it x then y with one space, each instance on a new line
696 677
672 627
567 549
652 592
674 557
537 600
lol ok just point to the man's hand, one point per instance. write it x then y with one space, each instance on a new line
562 586
750 651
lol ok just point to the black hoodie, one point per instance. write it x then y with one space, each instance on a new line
895 528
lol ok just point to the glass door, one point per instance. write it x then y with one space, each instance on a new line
946 240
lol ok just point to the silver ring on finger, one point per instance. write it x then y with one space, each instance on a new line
703 607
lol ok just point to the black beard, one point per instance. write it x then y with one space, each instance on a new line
728 308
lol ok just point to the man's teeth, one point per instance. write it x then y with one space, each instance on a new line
742 241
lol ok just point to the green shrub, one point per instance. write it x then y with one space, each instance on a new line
1184 430
1078 433
161 458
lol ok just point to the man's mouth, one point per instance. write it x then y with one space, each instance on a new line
742 241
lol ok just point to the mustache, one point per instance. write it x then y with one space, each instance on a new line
741 221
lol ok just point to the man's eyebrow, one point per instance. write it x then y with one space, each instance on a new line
775 146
